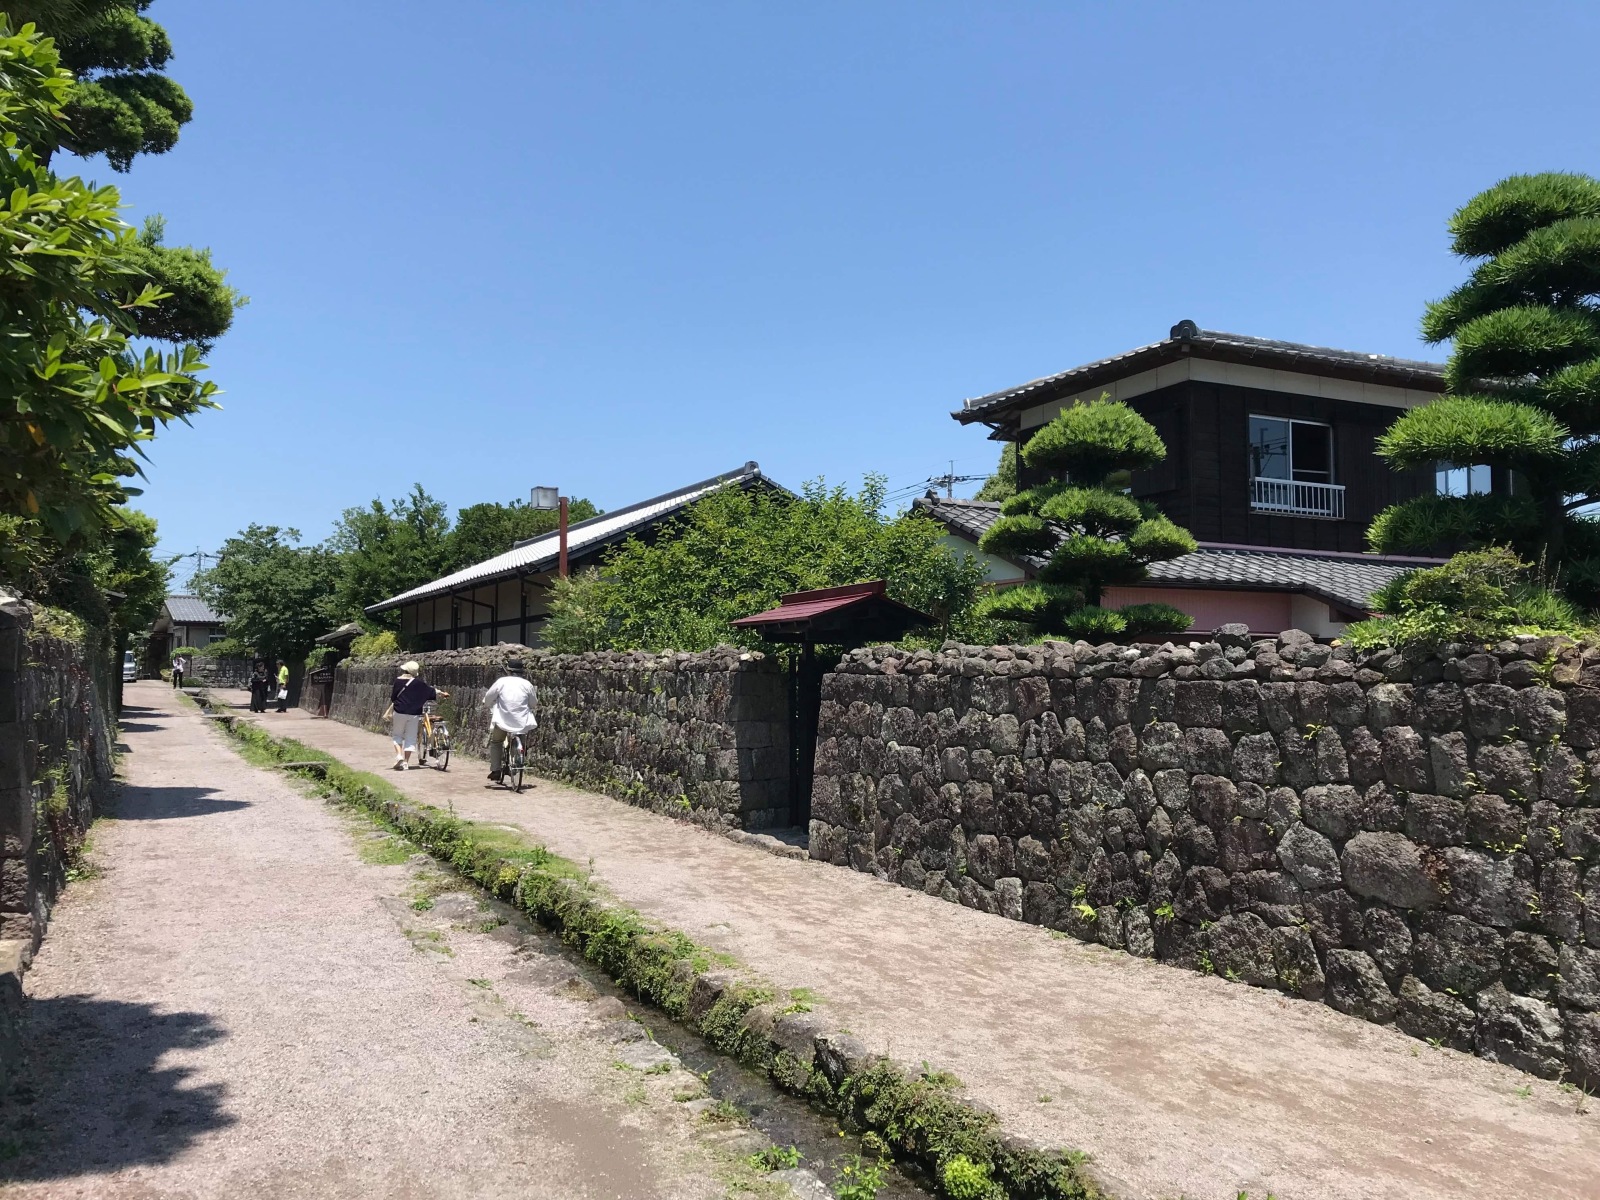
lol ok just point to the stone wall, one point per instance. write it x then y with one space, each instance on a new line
704 736
1410 839
220 672
55 774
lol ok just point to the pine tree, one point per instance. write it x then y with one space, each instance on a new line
1093 534
1522 385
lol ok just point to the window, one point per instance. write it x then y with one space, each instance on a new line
1462 481
1291 468
1285 449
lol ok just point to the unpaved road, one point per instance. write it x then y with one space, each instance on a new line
240 1005
1177 1084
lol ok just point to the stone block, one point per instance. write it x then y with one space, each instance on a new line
1389 867
1507 769
1434 820
1491 710
1309 857
1436 1016
1531 965
1387 938
1241 947
1405 759
1294 958
1520 1031
1356 986
1582 1044
1488 890
1579 983
1457 956
1333 809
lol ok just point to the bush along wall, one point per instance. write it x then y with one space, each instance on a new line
920 1116
703 736
1411 838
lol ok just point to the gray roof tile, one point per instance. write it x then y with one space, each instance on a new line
191 610
1187 339
1345 579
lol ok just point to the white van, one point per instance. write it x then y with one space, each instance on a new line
130 669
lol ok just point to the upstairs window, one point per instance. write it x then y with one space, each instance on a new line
1301 451
1462 481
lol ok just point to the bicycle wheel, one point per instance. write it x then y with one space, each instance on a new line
517 765
442 750
422 746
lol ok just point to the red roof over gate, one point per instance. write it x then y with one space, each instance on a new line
855 612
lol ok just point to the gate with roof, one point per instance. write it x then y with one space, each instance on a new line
838 618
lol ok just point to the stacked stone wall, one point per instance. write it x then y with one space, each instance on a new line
1412 839
703 736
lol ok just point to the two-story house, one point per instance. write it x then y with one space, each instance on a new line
1271 465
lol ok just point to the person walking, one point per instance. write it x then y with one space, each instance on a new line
283 687
179 666
258 687
511 700
407 694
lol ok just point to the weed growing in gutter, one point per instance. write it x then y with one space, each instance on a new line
916 1116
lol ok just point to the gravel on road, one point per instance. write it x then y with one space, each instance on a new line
255 998
1177 1084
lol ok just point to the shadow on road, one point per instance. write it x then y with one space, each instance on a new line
170 803
93 1098
138 726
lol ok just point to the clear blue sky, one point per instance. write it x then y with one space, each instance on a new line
620 247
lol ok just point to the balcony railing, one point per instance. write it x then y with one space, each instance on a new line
1296 499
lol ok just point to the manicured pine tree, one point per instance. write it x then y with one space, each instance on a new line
1522 385
1092 533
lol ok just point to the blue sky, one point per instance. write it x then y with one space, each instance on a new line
621 247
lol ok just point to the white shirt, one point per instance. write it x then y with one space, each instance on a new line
512 698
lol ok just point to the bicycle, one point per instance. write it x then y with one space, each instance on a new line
516 763
433 736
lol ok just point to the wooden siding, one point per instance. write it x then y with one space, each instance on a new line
1205 483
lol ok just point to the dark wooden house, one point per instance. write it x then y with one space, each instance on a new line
1269 443
1271 465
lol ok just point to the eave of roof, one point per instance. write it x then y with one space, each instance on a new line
1335 577
191 610
585 539
1187 340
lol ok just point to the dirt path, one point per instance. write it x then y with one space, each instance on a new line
1177 1084
242 1006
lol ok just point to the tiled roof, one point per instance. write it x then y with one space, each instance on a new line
584 539
1345 579
1188 340
191 610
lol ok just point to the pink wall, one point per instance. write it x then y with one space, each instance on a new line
1264 612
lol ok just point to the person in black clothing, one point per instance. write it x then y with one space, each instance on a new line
258 686
407 695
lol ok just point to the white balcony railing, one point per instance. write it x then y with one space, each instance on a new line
1297 499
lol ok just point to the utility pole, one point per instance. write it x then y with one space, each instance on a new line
545 499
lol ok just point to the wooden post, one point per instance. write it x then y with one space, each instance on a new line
563 523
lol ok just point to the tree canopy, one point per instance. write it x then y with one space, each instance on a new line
383 551
76 397
120 102
1522 384
278 595
1090 531
738 551
485 530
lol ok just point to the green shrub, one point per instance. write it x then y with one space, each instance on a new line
1155 618
964 1179
383 644
1478 596
1091 624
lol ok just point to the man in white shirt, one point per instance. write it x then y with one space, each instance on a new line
510 699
